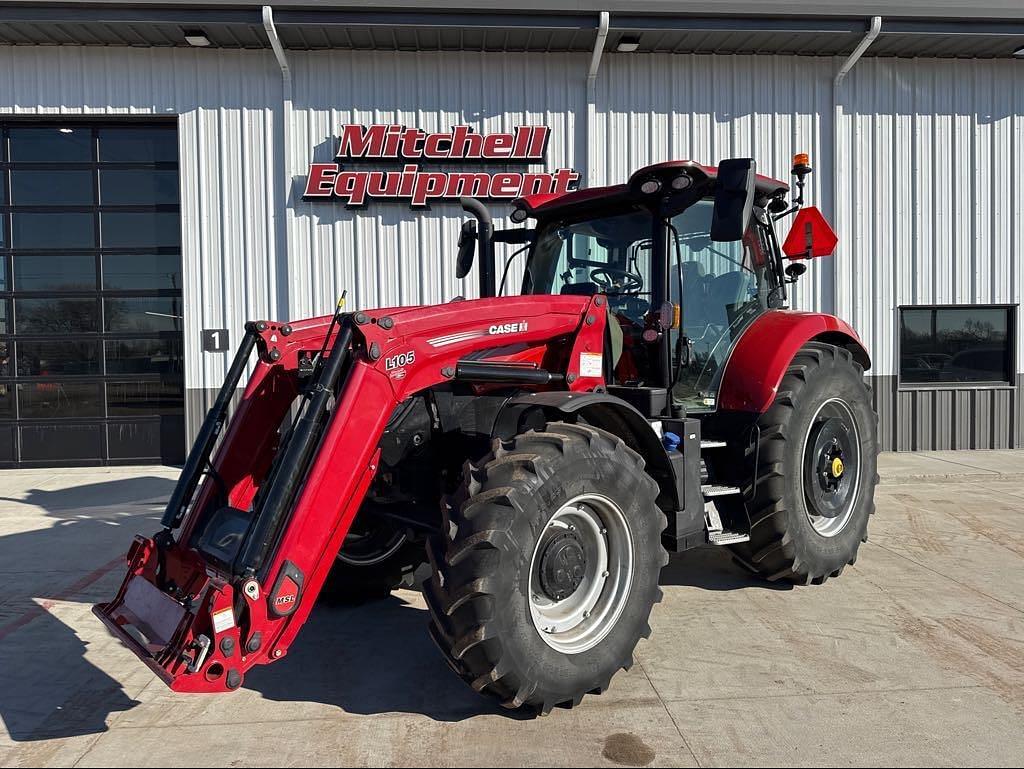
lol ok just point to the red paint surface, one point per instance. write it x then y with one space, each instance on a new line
810 224
764 352
423 343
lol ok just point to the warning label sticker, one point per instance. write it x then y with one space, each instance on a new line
223 620
590 364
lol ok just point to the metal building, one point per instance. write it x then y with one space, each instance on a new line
156 161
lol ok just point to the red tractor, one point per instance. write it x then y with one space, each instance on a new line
646 393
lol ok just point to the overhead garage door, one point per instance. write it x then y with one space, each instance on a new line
90 294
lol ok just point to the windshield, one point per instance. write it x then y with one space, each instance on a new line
609 255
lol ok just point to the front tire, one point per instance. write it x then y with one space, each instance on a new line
816 471
546 576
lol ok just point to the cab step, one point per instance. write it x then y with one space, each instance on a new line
717 534
727 537
710 490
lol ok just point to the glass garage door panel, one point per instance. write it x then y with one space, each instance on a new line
90 294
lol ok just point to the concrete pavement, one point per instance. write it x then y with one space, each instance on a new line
914 656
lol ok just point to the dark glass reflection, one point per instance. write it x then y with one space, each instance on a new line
144 356
134 440
5 357
6 401
138 145
149 229
138 187
58 400
53 144
47 272
53 230
58 442
56 316
58 358
144 398
51 188
143 315
955 345
4 325
6 438
142 271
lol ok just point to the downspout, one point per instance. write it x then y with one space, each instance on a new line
837 114
282 256
870 36
595 63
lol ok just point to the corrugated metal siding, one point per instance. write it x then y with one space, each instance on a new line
385 254
931 174
226 102
649 108
929 170
932 420
931 167
704 108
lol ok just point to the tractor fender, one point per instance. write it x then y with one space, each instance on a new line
600 410
764 351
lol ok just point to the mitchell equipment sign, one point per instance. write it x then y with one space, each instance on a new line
398 143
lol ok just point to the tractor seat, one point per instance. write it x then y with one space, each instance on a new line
727 290
579 289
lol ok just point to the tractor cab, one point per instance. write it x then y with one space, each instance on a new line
686 263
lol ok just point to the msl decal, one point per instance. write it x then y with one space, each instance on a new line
397 143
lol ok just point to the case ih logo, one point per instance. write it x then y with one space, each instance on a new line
508 328
398 143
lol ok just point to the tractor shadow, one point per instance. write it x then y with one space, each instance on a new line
49 688
368 660
378 658
713 568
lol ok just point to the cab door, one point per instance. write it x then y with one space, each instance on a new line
720 289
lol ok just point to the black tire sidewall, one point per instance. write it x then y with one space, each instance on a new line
564 675
832 379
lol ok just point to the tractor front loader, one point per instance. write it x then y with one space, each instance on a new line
541 454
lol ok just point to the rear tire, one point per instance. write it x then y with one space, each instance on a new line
374 561
522 556
816 471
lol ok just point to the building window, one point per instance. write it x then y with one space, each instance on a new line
961 345
91 310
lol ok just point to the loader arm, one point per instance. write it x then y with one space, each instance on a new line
251 532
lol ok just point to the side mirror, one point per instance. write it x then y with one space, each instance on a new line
467 249
810 236
734 199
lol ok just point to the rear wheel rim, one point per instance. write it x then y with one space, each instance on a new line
595 526
831 468
372 545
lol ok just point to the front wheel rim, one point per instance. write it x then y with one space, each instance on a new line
594 526
831 468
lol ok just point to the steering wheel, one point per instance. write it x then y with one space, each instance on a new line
616 280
